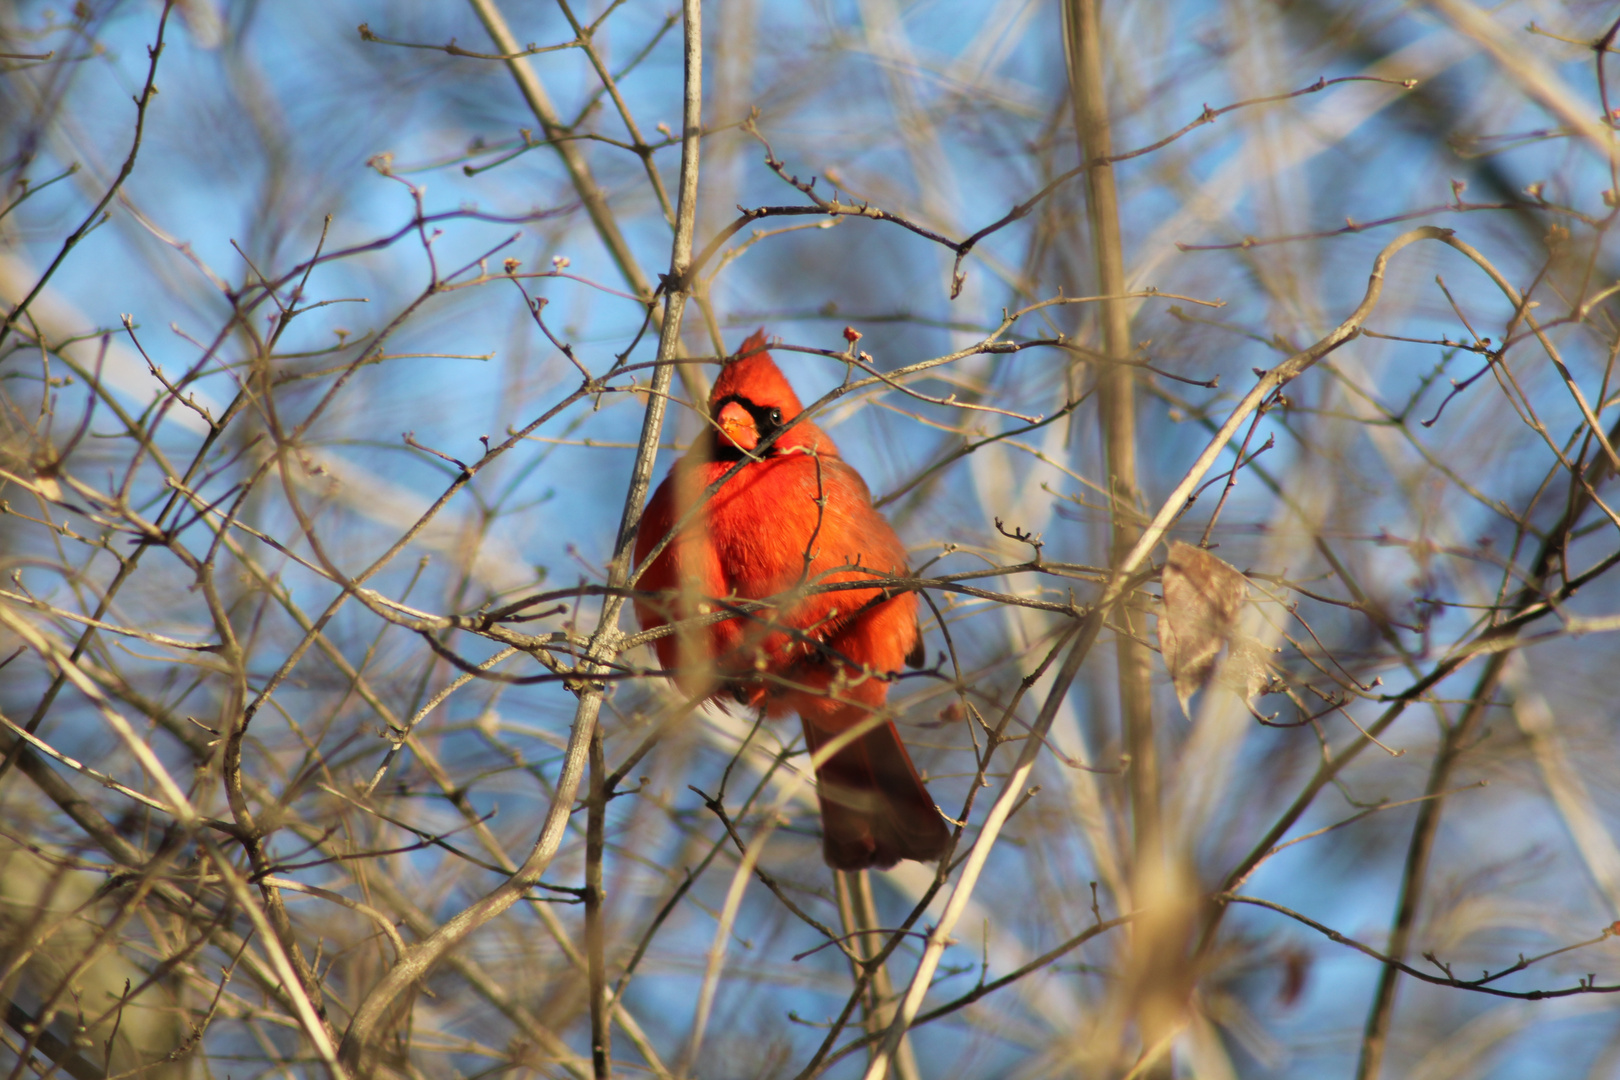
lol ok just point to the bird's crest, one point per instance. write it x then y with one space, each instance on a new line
751 374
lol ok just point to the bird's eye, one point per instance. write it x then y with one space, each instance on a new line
776 416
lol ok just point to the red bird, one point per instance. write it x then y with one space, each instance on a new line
791 517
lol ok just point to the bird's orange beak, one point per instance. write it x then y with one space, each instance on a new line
738 426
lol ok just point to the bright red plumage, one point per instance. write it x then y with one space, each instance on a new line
750 542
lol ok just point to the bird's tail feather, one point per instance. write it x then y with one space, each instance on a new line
875 810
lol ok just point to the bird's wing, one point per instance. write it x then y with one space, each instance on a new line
686 574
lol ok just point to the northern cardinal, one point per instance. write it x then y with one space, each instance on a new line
791 516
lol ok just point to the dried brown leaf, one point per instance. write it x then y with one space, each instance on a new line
1203 601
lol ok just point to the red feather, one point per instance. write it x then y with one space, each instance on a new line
793 513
